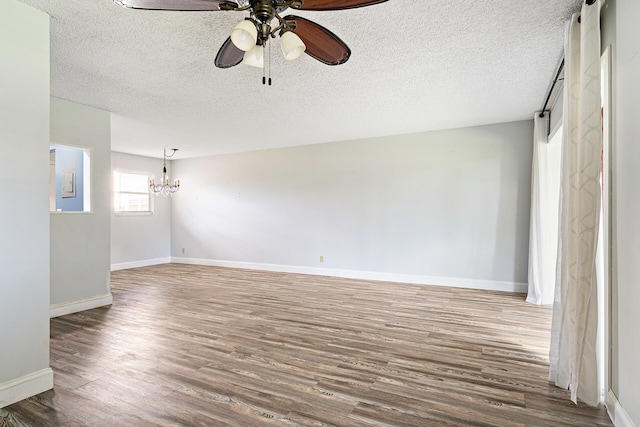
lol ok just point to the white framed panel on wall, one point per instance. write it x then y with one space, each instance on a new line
605 309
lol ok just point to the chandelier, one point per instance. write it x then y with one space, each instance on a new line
164 187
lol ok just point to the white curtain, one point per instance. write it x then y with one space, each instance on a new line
543 232
574 330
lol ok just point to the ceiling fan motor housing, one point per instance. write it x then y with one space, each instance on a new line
263 10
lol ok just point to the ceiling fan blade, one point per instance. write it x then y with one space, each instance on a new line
336 4
229 55
321 43
178 5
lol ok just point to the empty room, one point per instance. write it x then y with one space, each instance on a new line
319 213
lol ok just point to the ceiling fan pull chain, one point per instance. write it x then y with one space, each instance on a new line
269 64
264 70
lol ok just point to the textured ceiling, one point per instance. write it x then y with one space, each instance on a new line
416 65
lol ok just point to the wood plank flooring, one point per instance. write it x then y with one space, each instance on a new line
204 346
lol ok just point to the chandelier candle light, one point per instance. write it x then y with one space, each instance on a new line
164 187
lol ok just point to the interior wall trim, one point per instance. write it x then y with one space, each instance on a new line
618 415
364 275
141 263
15 390
69 307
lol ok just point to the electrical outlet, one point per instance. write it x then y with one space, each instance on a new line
321 258
184 250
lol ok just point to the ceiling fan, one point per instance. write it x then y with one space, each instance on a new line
249 38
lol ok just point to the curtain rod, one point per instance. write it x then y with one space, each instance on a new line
552 87
589 3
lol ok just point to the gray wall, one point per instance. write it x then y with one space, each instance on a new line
24 225
80 241
627 205
141 239
449 204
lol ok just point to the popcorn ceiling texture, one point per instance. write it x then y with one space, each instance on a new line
416 65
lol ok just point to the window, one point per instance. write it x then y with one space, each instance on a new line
131 192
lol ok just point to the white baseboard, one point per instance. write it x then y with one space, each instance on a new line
364 275
69 307
142 263
618 415
26 386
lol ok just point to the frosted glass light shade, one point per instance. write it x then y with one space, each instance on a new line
292 46
244 35
254 57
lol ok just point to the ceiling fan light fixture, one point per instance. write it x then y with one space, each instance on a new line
254 57
295 31
292 45
245 35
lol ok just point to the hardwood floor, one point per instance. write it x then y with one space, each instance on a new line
205 346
